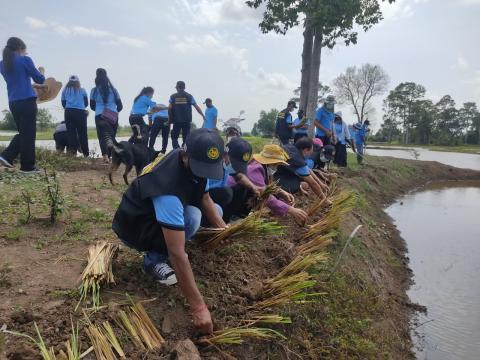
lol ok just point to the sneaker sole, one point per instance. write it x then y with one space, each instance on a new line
6 163
168 282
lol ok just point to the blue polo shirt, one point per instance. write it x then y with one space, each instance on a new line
19 85
142 105
211 114
325 118
300 130
111 100
160 114
360 133
74 98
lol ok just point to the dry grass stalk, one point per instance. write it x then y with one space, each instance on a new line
298 265
268 319
270 189
98 271
316 244
317 205
112 338
101 346
140 327
237 336
254 224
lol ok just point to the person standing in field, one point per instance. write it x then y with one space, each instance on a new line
75 102
284 124
361 131
106 102
142 104
301 126
180 113
211 114
324 118
159 122
342 137
18 70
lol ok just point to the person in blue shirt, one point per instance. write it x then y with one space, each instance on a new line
180 113
301 126
342 137
106 102
75 102
18 70
159 122
142 104
284 124
324 120
211 114
60 137
361 131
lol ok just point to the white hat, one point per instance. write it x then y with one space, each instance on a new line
73 78
339 114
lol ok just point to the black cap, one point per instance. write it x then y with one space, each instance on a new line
180 84
205 149
207 100
296 160
240 152
291 102
328 151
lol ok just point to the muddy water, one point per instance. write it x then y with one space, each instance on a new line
460 160
442 229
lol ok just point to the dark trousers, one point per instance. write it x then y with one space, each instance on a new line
25 116
76 122
222 196
183 127
105 130
288 181
61 140
139 128
340 154
298 136
240 204
163 126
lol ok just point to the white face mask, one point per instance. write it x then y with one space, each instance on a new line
271 169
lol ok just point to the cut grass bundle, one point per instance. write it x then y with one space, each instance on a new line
112 338
326 224
270 189
98 271
237 336
298 265
138 325
254 224
101 346
316 244
268 319
317 205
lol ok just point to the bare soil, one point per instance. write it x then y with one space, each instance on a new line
364 314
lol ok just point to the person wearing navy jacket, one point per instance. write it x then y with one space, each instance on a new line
75 101
18 70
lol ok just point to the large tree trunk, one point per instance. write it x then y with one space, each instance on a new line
314 79
306 65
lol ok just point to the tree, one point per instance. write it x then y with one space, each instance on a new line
45 120
325 22
323 91
470 120
7 123
265 126
447 124
358 86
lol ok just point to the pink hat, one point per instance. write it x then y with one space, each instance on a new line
317 141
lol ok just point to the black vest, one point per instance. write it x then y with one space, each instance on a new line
281 127
181 107
135 220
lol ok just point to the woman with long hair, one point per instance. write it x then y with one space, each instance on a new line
18 70
141 106
75 102
106 102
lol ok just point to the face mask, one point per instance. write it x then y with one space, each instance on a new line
330 107
323 159
271 170
229 169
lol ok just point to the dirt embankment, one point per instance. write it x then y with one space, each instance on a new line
363 314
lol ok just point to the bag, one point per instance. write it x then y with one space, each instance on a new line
110 116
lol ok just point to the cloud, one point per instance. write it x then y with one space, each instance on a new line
461 64
275 80
399 9
67 31
469 74
35 23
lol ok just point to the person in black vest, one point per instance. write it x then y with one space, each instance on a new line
180 113
284 125
159 213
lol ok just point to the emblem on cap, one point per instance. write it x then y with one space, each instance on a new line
246 157
213 153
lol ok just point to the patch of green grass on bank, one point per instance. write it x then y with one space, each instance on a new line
257 142
48 134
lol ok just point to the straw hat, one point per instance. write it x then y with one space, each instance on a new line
48 90
272 154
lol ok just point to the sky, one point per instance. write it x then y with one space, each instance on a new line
216 47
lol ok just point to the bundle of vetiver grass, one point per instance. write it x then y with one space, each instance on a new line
269 190
316 244
104 342
254 224
138 325
236 336
98 271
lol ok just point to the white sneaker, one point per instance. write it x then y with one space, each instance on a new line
5 162
162 273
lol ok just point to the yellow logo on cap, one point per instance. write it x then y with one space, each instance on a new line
213 153
246 157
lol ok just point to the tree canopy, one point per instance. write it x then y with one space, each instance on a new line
265 126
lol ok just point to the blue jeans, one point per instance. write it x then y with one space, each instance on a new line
192 219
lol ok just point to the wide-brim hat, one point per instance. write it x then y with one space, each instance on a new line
48 91
272 154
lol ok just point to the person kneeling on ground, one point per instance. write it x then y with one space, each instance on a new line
238 153
297 172
159 213
260 171
61 138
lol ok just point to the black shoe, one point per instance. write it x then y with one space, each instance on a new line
35 170
5 162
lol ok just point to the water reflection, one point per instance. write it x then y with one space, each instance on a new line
442 231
